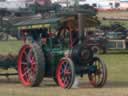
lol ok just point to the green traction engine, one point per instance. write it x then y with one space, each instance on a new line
56 48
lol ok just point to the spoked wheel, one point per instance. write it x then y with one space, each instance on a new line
99 76
65 73
31 65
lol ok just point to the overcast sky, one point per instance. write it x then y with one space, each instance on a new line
92 0
14 0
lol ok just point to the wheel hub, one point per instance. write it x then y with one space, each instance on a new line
67 72
92 69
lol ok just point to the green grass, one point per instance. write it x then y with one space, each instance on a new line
117 65
12 47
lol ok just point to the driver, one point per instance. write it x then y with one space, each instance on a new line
72 28
44 35
72 32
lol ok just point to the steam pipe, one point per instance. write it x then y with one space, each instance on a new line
80 27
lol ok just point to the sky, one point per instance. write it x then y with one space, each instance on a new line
15 0
123 0
12 0
90 0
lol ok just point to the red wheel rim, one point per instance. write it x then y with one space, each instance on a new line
64 74
97 77
26 65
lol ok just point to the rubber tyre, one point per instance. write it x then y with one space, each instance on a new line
40 65
99 83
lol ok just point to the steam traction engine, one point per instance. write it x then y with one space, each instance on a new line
57 52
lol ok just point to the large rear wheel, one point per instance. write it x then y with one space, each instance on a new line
98 77
31 64
65 73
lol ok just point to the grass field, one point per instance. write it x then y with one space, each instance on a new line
7 47
117 85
